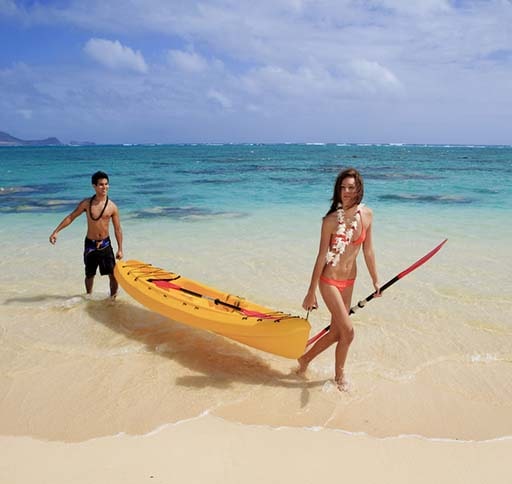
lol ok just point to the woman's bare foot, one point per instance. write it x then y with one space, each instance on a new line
342 384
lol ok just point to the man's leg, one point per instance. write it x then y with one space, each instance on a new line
89 281
113 286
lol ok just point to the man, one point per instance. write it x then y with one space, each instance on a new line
97 248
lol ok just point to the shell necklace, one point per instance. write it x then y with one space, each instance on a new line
342 237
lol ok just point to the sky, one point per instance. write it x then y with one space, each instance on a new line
257 71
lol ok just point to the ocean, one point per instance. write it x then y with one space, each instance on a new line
432 357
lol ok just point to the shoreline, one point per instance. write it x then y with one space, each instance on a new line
209 414
210 449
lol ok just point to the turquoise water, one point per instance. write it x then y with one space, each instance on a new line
209 181
428 356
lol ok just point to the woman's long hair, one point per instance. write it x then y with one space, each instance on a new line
336 196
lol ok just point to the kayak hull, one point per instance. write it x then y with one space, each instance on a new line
190 302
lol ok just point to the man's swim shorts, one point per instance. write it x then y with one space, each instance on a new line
98 253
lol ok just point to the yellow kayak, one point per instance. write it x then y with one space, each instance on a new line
193 303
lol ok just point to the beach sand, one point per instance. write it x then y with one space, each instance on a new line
99 392
211 450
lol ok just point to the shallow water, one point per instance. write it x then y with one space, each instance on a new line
431 357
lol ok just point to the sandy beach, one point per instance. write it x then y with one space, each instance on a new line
209 449
112 393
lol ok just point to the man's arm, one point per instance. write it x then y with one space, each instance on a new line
118 232
80 208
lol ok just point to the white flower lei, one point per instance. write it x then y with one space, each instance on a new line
342 237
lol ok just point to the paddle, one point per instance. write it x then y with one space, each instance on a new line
402 274
166 284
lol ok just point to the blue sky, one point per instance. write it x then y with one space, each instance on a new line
175 71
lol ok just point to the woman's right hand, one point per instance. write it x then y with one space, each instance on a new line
310 302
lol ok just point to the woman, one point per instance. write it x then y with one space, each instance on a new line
345 228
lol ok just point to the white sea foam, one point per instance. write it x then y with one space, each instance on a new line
487 358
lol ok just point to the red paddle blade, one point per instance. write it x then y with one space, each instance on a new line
163 284
424 259
257 314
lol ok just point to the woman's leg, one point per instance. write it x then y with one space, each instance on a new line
333 335
338 305
320 346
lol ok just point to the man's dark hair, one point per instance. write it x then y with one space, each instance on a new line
98 176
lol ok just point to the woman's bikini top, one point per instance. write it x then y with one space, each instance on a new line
362 236
342 238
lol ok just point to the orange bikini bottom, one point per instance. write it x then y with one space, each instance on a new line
341 284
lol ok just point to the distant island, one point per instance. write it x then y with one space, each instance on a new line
8 140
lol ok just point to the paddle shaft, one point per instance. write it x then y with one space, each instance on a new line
217 301
213 299
402 274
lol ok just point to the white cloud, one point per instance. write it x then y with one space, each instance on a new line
220 98
8 8
315 83
187 61
305 82
333 65
114 55
415 8
375 76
